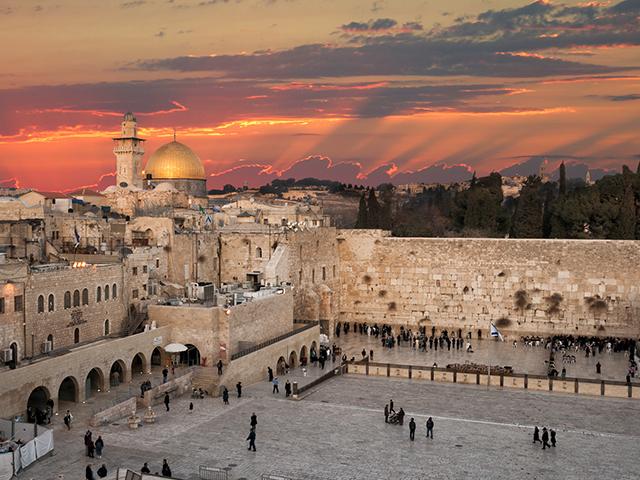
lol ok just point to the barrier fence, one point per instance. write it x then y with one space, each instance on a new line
575 385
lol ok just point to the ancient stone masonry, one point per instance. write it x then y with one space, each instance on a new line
587 287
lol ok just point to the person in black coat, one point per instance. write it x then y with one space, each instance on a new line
88 474
270 372
145 468
239 389
536 435
386 414
225 396
545 438
553 437
252 439
166 401
254 421
166 471
430 428
412 429
102 471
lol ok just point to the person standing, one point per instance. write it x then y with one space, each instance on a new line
430 428
252 439
190 407
545 438
287 388
87 440
401 416
99 446
275 385
553 437
91 448
270 373
167 400
102 471
254 421
88 473
165 374
412 429
68 418
239 389
225 396
536 434
391 410
598 368
220 365
371 355
386 413
166 471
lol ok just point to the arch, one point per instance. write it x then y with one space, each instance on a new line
281 366
106 293
85 296
138 364
76 298
304 356
293 360
107 329
76 335
14 353
50 340
157 356
51 303
40 303
98 294
191 356
67 299
37 404
114 291
68 390
117 373
94 383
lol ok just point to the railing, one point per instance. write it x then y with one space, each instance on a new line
277 339
212 473
588 386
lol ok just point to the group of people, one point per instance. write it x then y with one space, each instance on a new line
94 449
166 470
391 416
546 436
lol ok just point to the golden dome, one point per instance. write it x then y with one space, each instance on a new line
174 160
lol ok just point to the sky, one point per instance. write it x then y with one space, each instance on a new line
357 91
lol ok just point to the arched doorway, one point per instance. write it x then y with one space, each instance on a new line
304 357
94 382
138 365
76 335
281 366
116 374
157 357
68 391
14 355
191 356
37 404
293 360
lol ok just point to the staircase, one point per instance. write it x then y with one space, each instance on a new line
207 378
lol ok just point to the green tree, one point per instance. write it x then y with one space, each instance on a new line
528 217
627 217
362 221
563 179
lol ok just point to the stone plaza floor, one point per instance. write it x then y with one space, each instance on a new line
529 360
338 432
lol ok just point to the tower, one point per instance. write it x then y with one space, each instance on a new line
128 150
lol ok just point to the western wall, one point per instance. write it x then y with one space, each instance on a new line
586 287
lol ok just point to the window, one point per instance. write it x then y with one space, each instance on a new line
17 303
144 269
76 335
259 252
157 263
134 293
76 298
134 271
41 304
67 299
85 296
313 275
114 291
1 305
98 294
106 327
52 302
106 292
324 273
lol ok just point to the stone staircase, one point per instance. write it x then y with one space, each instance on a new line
207 378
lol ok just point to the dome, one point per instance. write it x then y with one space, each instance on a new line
175 160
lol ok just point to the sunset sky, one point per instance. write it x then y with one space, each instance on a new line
357 91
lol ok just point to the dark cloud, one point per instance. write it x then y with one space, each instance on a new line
505 43
133 4
624 98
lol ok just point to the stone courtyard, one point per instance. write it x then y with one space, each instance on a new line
337 431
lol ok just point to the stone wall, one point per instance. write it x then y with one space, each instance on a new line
525 286
116 412
175 388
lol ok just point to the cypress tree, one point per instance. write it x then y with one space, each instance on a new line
528 217
627 216
362 221
563 179
373 214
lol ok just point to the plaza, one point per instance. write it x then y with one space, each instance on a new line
338 431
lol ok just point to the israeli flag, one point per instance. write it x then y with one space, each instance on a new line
496 333
76 236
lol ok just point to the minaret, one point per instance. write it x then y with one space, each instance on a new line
128 150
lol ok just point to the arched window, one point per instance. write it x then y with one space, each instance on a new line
76 335
67 299
85 296
40 303
114 291
106 292
324 273
259 252
52 302
76 298
98 294
50 340
106 327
